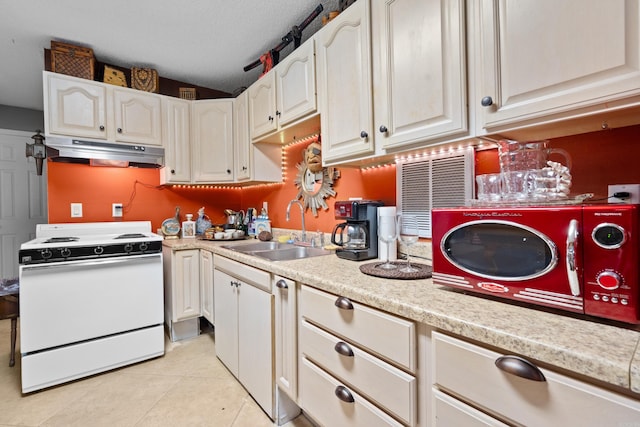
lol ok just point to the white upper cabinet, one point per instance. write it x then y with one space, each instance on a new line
541 60
242 145
137 117
177 141
86 109
212 141
344 84
419 71
285 94
74 107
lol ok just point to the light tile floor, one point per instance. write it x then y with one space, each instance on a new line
188 386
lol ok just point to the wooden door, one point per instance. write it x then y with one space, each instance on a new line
296 85
541 58
242 147
23 199
344 84
212 140
177 143
262 103
137 117
225 301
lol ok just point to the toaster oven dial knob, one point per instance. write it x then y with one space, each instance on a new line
609 280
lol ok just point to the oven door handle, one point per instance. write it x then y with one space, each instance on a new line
90 263
570 260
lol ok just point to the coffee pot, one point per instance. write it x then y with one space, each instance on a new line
350 236
356 236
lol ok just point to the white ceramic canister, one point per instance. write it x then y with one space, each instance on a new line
390 248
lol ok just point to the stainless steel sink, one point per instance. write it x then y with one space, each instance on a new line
257 246
275 251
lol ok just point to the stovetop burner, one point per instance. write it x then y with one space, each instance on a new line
61 239
131 236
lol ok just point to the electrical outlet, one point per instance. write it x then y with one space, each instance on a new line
76 210
632 189
116 210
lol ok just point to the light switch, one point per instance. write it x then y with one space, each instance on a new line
76 210
116 210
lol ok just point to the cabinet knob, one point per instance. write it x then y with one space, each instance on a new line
101 127
343 349
520 367
244 168
343 303
173 171
278 113
343 394
281 284
486 101
119 130
364 135
270 118
383 129
228 171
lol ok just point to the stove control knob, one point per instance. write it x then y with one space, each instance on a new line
46 253
98 250
143 246
128 247
609 280
65 252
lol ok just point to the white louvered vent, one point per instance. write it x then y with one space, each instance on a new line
438 181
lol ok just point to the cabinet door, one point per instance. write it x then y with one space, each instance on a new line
242 146
262 102
344 84
74 107
212 148
286 334
541 59
296 84
225 302
177 144
137 117
419 70
186 285
206 285
255 347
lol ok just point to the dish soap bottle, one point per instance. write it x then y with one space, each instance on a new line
189 228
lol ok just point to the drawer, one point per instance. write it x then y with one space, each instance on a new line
258 278
470 372
319 400
384 334
383 384
450 412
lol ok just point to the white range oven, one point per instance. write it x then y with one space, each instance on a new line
91 300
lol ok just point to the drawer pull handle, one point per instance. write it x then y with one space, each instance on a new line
343 394
281 284
343 349
520 367
344 303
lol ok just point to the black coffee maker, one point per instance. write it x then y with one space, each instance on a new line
357 236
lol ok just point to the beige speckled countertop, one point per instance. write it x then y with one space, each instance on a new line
603 352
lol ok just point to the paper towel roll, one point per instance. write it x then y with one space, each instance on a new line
387 248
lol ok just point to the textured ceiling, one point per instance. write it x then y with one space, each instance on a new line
202 42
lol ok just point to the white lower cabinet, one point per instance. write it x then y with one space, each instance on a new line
357 364
206 285
181 292
243 307
471 374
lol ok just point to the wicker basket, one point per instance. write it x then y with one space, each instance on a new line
187 93
72 60
145 79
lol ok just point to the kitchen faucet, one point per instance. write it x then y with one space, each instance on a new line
304 232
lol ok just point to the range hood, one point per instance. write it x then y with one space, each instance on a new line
69 150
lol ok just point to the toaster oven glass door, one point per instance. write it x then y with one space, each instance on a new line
500 250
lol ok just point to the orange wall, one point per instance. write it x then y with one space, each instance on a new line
599 158
144 199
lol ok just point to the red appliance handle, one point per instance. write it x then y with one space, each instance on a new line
570 260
